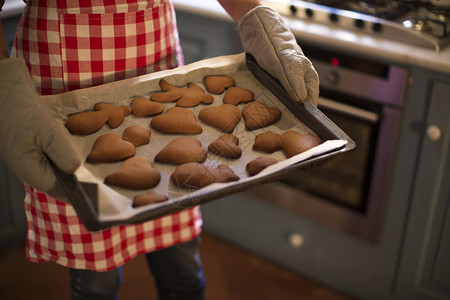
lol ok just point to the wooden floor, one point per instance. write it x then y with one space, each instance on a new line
232 274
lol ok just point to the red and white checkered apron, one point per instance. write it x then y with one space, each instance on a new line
69 45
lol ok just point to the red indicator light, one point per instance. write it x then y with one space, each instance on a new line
335 61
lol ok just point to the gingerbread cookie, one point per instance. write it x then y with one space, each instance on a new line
86 122
235 95
143 107
135 173
116 114
257 115
137 135
224 117
268 142
148 197
182 150
216 84
176 120
294 142
110 147
196 175
185 97
258 164
226 146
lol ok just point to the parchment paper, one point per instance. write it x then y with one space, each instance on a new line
115 202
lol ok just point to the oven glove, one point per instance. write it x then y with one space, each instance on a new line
29 132
265 35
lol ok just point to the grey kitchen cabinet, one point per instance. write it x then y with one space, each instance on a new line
203 37
12 214
9 27
13 222
411 261
425 261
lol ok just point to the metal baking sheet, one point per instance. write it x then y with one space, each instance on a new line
100 206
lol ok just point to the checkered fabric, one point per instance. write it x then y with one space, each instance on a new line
73 44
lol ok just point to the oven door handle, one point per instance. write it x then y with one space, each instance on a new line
349 110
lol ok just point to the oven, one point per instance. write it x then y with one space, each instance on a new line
364 98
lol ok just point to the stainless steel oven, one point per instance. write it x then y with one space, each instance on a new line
364 98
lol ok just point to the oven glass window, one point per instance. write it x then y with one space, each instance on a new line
344 179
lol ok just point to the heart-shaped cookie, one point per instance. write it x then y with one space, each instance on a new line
137 135
110 147
235 95
135 173
116 114
148 197
196 175
226 146
86 122
182 150
143 107
224 117
268 142
294 142
216 84
186 97
258 164
176 120
257 115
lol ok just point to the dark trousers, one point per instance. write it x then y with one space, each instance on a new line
177 271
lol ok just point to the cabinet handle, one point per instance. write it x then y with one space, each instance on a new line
296 240
433 133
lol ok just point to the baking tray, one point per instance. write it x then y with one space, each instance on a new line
87 197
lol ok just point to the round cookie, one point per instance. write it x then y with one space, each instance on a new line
226 146
137 135
196 175
87 122
182 150
143 107
110 147
224 117
294 142
235 95
268 142
216 84
258 164
135 173
257 115
176 120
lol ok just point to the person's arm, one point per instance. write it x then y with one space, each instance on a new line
265 35
29 134
238 8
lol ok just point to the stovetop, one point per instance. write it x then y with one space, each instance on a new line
419 22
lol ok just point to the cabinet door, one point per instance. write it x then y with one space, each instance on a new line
425 266
12 215
203 37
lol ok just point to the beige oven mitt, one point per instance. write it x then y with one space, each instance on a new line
265 35
29 133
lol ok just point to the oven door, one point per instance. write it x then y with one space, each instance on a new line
346 193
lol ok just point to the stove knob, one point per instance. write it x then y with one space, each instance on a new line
293 10
377 27
359 23
333 17
309 12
